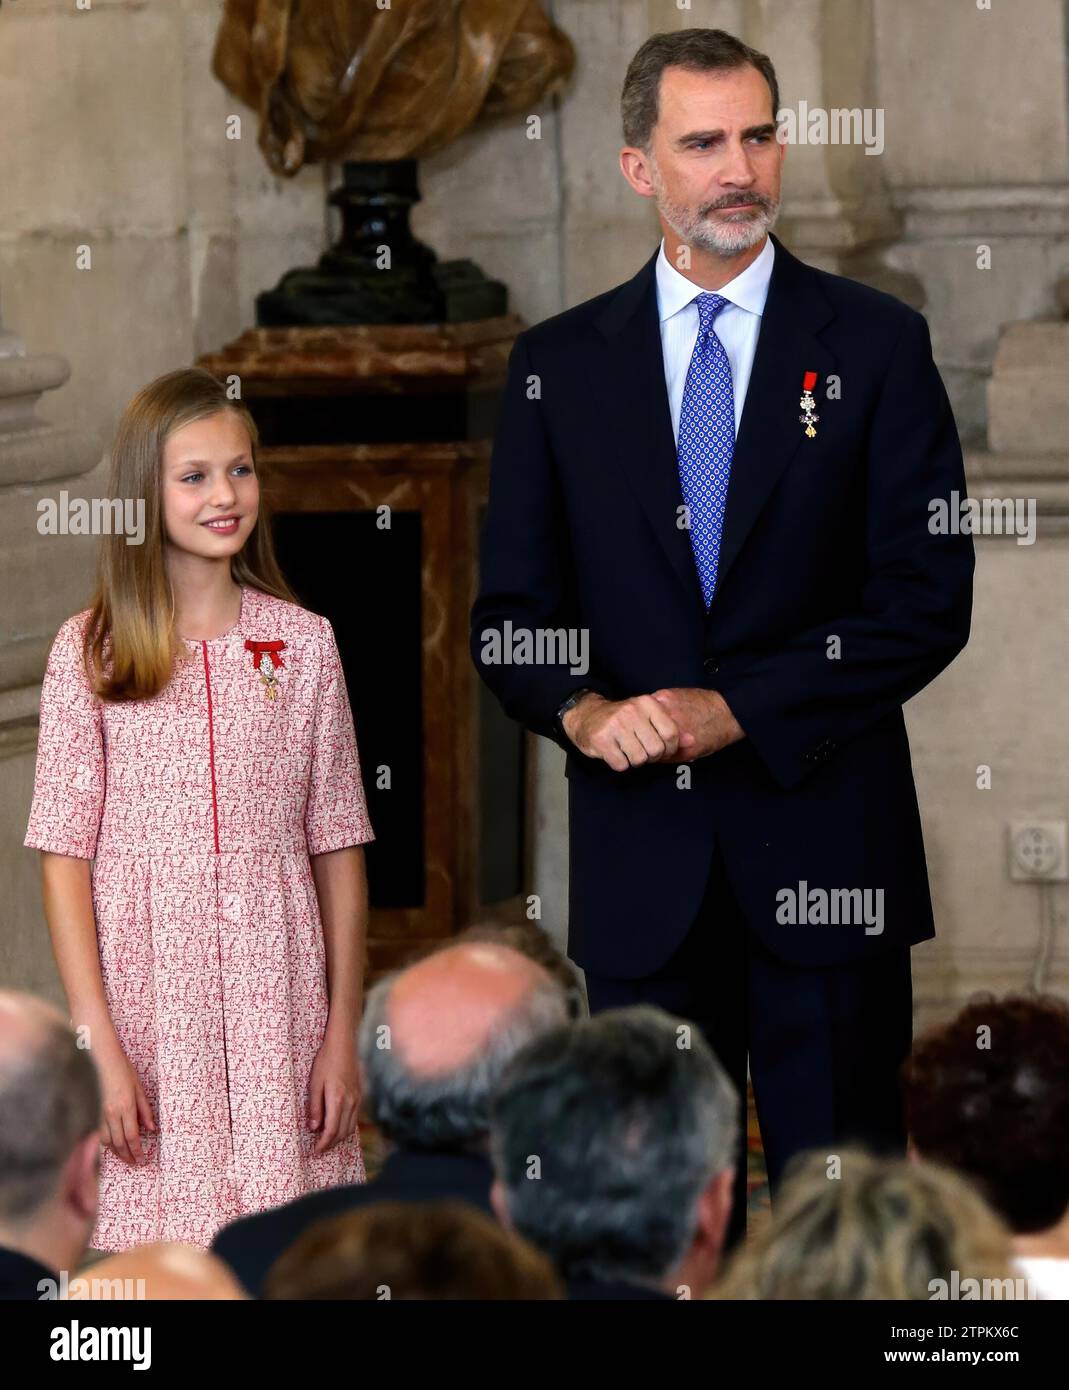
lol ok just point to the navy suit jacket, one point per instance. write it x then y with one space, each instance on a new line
824 538
21 1275
252 1244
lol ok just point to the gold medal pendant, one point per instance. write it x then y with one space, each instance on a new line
270 684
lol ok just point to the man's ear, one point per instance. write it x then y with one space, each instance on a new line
714 1209
80 1181
725 1199
635 167
498 1203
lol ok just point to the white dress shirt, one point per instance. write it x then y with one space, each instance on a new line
737 324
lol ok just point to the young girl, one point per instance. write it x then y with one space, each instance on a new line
197 745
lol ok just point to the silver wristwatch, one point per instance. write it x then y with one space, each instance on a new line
570 703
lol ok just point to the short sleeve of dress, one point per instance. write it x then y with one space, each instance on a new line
336 811
69 779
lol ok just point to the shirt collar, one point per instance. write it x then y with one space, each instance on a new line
748 290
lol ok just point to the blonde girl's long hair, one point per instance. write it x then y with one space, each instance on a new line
130 644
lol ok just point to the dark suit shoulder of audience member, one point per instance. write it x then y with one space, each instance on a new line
21 1275
253 1243
589 1290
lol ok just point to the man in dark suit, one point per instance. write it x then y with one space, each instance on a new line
718 483
434 1039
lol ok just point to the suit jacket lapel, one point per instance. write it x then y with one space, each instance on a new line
627 379
770 432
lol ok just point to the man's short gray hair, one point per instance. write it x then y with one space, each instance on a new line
630 1116
448 1110
49 1101
700 50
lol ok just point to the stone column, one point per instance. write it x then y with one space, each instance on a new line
977 153
43 580
837 209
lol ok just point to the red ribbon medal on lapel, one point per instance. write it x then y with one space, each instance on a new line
809 416
272 649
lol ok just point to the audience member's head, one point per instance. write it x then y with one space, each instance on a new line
988 1095
613 1142
411 1250
532 941
167 1271
49 1134
436 1036
849 1226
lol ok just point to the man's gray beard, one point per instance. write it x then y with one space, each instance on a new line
720 238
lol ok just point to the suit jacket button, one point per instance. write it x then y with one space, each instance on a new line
711 665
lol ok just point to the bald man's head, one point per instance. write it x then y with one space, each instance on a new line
436 1037
25 1023
169 1272
442 1011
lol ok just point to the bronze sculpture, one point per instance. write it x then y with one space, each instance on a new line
345 79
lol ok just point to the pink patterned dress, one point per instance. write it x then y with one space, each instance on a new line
200 809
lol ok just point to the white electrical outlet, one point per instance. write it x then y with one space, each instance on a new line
1038 851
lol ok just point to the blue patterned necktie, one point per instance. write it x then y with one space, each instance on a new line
707 441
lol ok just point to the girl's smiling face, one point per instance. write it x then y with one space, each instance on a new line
210 493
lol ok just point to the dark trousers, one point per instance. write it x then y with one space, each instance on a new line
825 1043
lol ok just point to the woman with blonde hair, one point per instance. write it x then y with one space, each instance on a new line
851 1226
196 744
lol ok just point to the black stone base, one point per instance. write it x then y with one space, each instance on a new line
446 292
350 286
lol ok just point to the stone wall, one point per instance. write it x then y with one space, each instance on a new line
115 143
116 140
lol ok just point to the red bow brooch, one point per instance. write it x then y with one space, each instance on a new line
272 649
